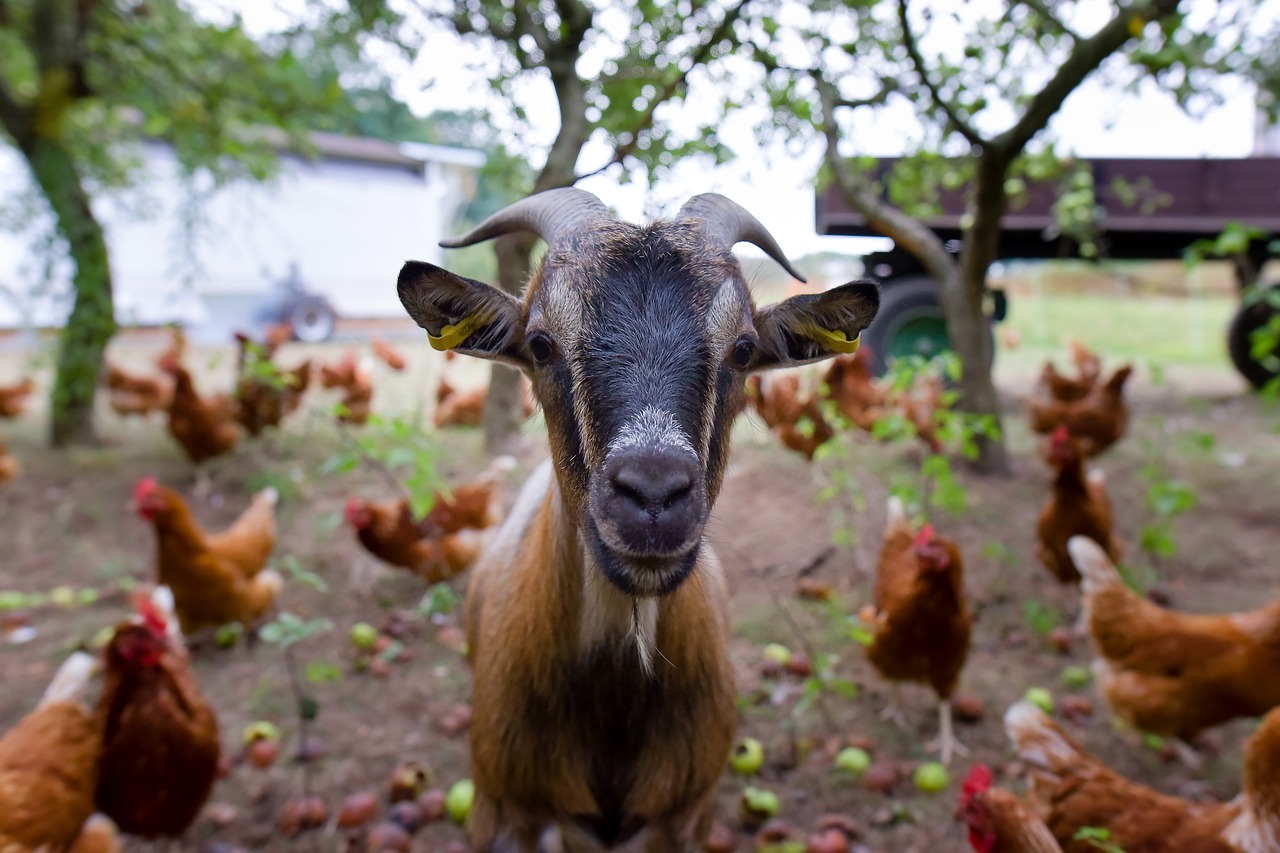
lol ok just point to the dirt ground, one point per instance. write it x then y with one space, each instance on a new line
66 523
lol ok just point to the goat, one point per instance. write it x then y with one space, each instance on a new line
604 702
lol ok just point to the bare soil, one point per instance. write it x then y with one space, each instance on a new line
66 522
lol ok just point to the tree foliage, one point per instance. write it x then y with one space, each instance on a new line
976 87
82 79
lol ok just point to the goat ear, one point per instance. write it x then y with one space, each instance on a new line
810 327
460 314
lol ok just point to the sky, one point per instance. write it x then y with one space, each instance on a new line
776 184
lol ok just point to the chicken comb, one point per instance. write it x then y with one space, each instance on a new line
925 536
152 618
978 780
1060 435
353 507
145 487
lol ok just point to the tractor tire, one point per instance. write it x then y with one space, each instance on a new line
1249 319
910 322
312 319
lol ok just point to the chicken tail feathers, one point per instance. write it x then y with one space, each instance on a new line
896 515
98 835
71 680
1038 740
1096 570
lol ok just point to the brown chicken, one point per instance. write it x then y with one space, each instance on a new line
49 766
797 422
920 405
1074 790
356 384
390 356
13 398
998 821
1078 506
10 468
1088 364
1097 421
160 736
1176 673
920 616
134 394
203 427
266 394
1065 389
216 578
854 390
387 530
456 407
340 373
445 541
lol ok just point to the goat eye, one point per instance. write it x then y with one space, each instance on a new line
541 349
743 351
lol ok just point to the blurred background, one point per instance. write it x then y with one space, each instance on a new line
204 205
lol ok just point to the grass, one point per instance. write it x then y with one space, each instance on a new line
1148 328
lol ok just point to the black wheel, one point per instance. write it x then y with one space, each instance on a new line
1253 315
909 322
311 319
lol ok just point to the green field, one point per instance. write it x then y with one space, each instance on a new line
1150 328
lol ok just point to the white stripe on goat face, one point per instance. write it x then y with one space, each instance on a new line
652 428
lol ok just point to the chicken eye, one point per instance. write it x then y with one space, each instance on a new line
540 347
743 351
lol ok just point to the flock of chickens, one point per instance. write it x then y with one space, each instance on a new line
210 425
1165 673
145 757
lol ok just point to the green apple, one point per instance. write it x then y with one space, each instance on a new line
457 803
747 757
777 653
63 596
1076 677
1041 698
260 730
853 760
931 777
363 635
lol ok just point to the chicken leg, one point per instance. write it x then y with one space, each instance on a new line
946 744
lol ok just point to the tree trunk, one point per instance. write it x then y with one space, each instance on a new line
963 303
92 321
503 407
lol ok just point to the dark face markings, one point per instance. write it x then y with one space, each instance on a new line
649 365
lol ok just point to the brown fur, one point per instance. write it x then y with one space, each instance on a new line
548 740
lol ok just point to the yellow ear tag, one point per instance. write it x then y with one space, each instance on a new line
835 339
451 336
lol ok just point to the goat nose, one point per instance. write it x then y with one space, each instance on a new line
653 499
654 481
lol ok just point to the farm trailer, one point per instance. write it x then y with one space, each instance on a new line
1189 199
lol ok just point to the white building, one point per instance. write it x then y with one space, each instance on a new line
343 223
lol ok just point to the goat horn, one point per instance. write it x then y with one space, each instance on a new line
551 215
728 222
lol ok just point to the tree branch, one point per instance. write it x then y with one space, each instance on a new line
913 51
677 81
1042 9
1084 59
860 195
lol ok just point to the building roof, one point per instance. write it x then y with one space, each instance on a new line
408 154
